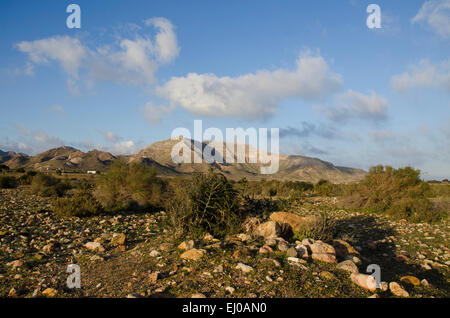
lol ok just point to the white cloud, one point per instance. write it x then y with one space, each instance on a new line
353 104
424 74
255 95
436 13
67 51
130 60
109 136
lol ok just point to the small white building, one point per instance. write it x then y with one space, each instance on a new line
91 172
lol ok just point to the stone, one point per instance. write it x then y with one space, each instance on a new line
154 253
229 289
95 258
348 266
153 277
244 268
270 229
398 290
296 221
365 281
265 249
186 245
166 247
424 282
198 295
410 280
327 275
12 293
302 251
50 292
193 254
218 269
283 246
118 239
271 242
307 241
320 247
47 249
94 247
244 237
343 249
242 252
292 252
384 286
327 258
134 295
354 259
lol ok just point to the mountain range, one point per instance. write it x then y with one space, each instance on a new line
158 154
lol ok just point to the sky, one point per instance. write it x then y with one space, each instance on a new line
136 70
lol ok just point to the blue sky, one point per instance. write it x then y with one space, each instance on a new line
136 70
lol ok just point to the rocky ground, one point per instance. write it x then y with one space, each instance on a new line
133 255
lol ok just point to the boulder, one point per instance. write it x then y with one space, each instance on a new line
323 257
348 266
319 247
365 281
270 229
410 280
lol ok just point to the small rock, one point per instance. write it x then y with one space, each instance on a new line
327 275
198 295
320 247
398 290
411 280
153 277
50 292
12 293
244 268
118 239
229 289
265 249
94 246
187 245
270 229
424 282
155 253
166 247
134 295
193 254
292 252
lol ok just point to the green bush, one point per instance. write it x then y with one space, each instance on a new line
7 182
399 193
133 186
321 228
47 186
206 204
27 178
325 188
4 168
82 204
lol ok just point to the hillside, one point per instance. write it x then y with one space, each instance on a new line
158 154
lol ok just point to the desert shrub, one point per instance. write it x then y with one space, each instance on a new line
4 168
206 204
19 170
27 178
322 228
8 182
82 204
325 188
399 193
47 186
133 186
